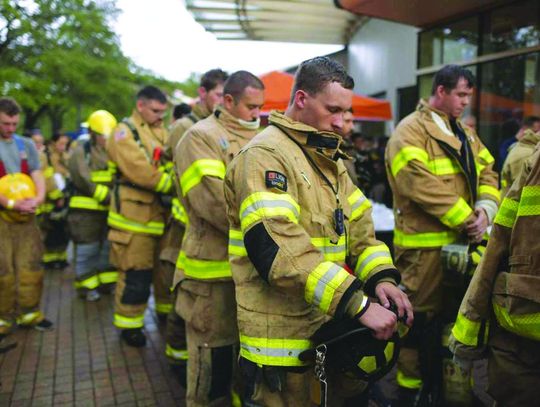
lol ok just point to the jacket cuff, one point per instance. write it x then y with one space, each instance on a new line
349 297
388 275
489 206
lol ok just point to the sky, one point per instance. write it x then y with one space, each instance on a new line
161 35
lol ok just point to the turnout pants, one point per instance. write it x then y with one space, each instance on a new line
136 256
209 310
92 267
433 295
513 369
21 274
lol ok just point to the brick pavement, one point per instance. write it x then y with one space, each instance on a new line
82 362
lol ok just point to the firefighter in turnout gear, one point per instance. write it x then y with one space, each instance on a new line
519 153
206 298
136 215
500 313
297 223
91 179
445 195
210 95
22 189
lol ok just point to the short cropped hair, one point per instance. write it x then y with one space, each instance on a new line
213 78
9 106
530 120
449 76
239 81
150 92
314 74
181 110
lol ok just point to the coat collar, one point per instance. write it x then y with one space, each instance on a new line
231 124
200 111
530 137
325 142
437 124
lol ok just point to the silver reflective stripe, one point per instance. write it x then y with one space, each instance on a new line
358 203
272 352
332 249
323 283
269 204
371 257
236 242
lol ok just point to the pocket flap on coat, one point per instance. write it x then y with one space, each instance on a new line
518 285
519 260
120 236
137 195
196 287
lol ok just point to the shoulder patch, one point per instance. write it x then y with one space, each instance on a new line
274 179
120 134
224 143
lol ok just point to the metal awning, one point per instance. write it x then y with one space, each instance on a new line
308 21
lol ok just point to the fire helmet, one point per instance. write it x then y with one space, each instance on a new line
16 186
102 122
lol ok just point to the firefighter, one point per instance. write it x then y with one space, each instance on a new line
54 212
136 215
22 189
91 178
445 196
296 223
522 150
205 298
210 95
500 313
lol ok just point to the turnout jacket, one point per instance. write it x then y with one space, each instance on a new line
91 179
287 258
141 177
201 158
437 179
506 286
522 150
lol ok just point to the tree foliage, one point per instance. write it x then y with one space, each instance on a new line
60 58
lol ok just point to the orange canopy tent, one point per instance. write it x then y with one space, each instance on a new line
278 92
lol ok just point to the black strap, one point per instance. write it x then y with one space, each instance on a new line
192 118
136 136
87 146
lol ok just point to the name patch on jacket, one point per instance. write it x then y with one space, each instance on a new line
276 179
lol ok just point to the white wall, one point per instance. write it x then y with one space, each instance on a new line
382 57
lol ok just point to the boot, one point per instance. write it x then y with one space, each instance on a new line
134 337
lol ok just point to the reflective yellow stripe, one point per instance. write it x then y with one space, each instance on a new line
112 167
236 243
413 383
443 166
49 172
457 214
55 194
101 193
108 277
529 203
84 202
176 354
178 211
118 221
468 332
428 239
163 308
489 190
5 323
359 203
362 305
89 283
476 256
437 166
199 169
102 176
203 269
405 155
128 322
506 216
273 352
54 256
332 252
504 183
29 318
261 205
371 258
322 283
485 155
527 325
45 208
165 183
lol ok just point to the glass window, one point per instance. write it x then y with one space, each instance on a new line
511 27
509 91
455 42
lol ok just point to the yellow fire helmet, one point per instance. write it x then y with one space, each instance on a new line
102 122
16 186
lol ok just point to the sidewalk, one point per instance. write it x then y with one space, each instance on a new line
82 362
